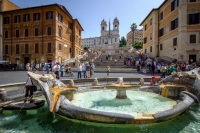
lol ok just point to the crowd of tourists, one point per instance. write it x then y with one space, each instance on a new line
86 70
144 63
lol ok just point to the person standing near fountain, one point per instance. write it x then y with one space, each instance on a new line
56 68
29 90
108 71
79 68
153 81
163 70
87 70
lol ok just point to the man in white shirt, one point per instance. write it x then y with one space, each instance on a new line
57 69
79 70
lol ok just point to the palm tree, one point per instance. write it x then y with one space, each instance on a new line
133 27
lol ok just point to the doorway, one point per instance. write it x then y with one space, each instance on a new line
26 60
192 58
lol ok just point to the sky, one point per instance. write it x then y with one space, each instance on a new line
90 13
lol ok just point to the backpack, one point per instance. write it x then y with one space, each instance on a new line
93 66
87 68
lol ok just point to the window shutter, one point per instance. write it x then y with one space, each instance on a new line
177 22
46 15
197 18
171 25
6 49
39 16
15 19
28 17
19 18
172 6
51 14
24 18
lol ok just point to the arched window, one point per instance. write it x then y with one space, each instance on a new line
115 39
102 28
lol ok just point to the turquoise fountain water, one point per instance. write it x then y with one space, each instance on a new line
44 122
137 103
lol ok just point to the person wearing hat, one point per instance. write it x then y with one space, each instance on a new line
153 81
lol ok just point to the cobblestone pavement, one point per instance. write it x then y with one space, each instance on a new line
7 77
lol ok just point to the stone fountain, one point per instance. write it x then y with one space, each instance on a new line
62 100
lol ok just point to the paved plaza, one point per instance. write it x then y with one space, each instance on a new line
7 77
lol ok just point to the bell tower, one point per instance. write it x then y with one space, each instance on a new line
103 27
116 24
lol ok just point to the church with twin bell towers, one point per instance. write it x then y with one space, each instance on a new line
108 37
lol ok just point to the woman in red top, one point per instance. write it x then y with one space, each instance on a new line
153 81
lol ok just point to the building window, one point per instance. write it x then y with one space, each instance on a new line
174 24
70 25
49 48
17 49
6 34
17 19
17 33
145 51
6 49
26 17
150 36
194 18
161 32
161 16
174 4
192 38
36 31
192 0
26 48
60 32
145 27
49 15
174 41
150 22
49 31
6 20
60 17
60 47
145 40
115 39
26 32
70 50
161 47
167 29
70 38
36 16
36 48
151 49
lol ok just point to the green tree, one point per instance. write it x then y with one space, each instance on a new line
138 45
122 42
86 48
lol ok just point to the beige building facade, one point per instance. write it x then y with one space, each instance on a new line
173 30
134 36
5 5
40 34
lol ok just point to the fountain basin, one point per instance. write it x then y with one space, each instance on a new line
67 108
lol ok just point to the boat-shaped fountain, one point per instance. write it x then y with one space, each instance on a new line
118 103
